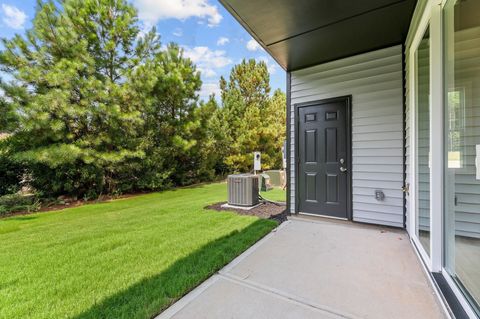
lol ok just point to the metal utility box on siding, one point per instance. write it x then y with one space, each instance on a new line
242 190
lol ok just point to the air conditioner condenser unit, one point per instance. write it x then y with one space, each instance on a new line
243 190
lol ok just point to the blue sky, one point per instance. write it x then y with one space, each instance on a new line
210 36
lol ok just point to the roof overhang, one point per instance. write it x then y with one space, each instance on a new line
302 33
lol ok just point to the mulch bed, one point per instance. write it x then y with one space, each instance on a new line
266 210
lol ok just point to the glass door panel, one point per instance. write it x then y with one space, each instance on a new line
462 146
423 159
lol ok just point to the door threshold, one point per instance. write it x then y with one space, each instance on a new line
322 216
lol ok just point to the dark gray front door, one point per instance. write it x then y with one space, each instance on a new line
324 158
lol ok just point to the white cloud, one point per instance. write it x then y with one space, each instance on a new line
209 89
208 73
13 17
152 11
178 32
271 66
222 41
253 45
207 60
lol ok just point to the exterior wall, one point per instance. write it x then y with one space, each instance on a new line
374 80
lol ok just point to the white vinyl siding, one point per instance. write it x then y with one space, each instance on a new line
374 80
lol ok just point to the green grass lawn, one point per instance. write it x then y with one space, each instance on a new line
276 194
128 258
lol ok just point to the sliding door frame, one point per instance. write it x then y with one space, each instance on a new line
425 22
432 17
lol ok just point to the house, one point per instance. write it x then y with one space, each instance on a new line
383 121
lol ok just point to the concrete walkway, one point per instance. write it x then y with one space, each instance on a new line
317 268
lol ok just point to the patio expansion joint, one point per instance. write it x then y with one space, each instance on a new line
285 296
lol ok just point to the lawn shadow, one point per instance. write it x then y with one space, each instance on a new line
149 297
19 217
193 186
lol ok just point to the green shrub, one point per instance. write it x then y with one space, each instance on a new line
16 202
76 179
10 176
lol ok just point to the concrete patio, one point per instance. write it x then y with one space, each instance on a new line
318 268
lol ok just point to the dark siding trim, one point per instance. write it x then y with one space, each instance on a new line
452 301
335 22
289 140
404 119
247 27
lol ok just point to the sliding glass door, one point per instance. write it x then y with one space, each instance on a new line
462 146
422 151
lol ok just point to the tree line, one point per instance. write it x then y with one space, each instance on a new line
90 105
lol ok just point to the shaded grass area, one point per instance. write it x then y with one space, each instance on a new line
276 194
128 258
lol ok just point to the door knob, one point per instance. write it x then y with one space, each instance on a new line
343 169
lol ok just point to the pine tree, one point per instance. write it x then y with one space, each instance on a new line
254 120
8 120
169 84
79 117
97 107
273 130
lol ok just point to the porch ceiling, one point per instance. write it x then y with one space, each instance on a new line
301 33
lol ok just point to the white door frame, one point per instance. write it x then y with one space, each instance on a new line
419 32
432 16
